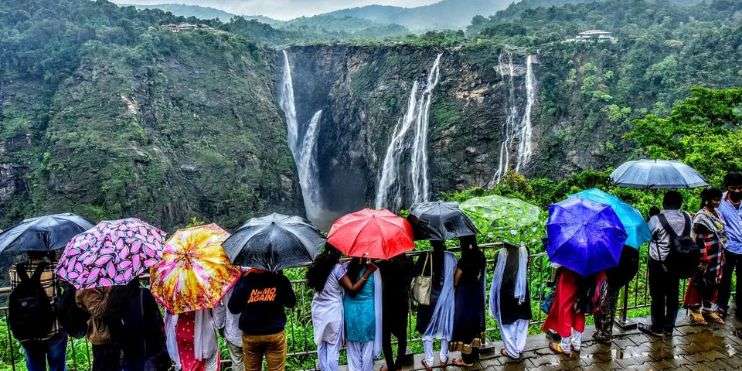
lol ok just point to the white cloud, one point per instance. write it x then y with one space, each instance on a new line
281 9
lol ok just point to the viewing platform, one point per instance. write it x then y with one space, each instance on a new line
710 347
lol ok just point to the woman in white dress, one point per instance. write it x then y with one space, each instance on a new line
327 306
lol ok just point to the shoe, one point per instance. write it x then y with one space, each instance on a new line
696 318
714 317
647 329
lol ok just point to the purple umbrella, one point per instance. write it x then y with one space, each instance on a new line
584 236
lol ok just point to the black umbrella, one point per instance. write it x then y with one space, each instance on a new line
46 233
274 242
440 221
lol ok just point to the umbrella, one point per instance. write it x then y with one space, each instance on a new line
194 272
375 234
584 236
111 253
440 221
274 242
657 174
46 233
633 222
506 219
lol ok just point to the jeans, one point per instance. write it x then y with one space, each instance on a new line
663 288
732 261
273 347
38 353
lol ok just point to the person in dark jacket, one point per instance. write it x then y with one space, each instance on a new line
141 330
396 275
260 298
468 324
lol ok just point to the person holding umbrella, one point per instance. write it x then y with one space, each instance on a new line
267 245
584 238
364 235
324 276
468 323
362 308
703 287
40 331
664 284
190 282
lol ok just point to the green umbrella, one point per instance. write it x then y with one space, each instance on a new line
506 219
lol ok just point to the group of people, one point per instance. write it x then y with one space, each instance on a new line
127 330
361 304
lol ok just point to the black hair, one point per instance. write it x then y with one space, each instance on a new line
472 258
710 194
438 245
733 178
673 200
322 267
354 268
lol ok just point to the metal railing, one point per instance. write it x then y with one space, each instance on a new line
302 351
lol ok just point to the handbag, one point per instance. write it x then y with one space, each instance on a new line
422 285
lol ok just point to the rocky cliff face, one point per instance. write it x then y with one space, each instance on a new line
363 92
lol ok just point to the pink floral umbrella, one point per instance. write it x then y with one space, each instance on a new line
111 253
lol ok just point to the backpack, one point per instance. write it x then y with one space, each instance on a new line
684 255
74 320
30 312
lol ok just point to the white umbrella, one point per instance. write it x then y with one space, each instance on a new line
657 174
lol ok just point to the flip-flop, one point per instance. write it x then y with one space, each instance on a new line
461 363
505 354
557 349
426 365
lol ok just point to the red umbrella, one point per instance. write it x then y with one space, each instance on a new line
375 234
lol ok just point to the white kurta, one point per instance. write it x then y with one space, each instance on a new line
328 321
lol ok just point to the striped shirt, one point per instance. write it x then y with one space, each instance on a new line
48 282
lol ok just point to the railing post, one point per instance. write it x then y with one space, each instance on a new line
10 345
624 323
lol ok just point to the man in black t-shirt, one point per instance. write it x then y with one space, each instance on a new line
260 297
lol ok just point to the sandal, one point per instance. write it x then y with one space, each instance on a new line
557 349
505 354
426 365
460 363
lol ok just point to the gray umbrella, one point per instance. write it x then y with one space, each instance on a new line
440 221
657 174
274 242
46 233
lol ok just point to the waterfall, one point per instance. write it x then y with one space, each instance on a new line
307 169
506 67
515 130
525 149
419 168
390 188
389 183
286 102
304 151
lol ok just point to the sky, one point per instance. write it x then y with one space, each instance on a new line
281 9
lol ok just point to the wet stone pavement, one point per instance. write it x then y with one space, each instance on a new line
711 347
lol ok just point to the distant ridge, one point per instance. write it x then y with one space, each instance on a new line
447 14
202 12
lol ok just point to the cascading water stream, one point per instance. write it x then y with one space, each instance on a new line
525 149
522 130
506 66
419 168
286 102
304 152
390 189
389 186
308 170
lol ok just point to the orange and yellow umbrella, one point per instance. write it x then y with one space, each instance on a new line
194 272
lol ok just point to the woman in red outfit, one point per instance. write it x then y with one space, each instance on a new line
563 319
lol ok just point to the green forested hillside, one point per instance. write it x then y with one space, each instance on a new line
107 112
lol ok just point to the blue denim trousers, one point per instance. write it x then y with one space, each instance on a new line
38 353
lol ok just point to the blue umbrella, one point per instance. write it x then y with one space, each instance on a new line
657 174
633 222
584 236
46 233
